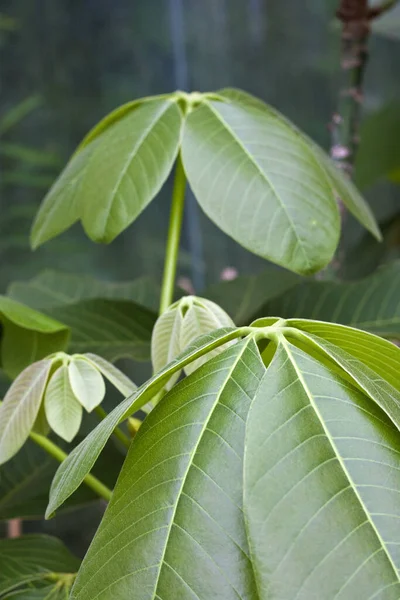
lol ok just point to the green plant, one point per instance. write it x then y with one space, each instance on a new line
271 469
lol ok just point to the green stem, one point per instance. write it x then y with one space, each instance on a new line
174 234
55 451
120 435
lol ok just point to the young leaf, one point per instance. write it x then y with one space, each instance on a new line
118 379
27 336
340 184
274 198
201 317
110 181
20 408
63 411
165 340
182 498
86 382
321 486
81 460
34 559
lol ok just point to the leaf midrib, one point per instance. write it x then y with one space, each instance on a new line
337 454
190 462
263 175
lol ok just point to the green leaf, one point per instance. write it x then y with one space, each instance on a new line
54 288
35 559
29 155
63 411
20 408
118 379
81 460
86 382
27 336
377 354
371 303
321 486
340 184
182 499
111 328
274 198
110 181
245 296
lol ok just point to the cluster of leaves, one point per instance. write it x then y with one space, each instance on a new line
276 189
52 393
322 401
286 412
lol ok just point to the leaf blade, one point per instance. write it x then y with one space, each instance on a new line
20 408
63 411
87 384
256 169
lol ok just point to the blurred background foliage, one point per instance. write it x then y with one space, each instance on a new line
66 63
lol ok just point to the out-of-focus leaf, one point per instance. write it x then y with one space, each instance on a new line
245 295
27 336
371 304
111 328
18 112
53 288
35 559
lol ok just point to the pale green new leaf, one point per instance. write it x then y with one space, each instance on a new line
20 408
27 336
32 560
86 382
321 486
273 196
113 374
110 181
174 527
63 411
165 341
201 317
81 460
341 186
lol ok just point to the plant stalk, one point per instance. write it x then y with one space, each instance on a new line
120 435
174 234
56 452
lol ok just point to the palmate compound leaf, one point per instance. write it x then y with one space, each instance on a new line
33 560
81 460
20 408
180 494
174 527
321 486
341 186
116 173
